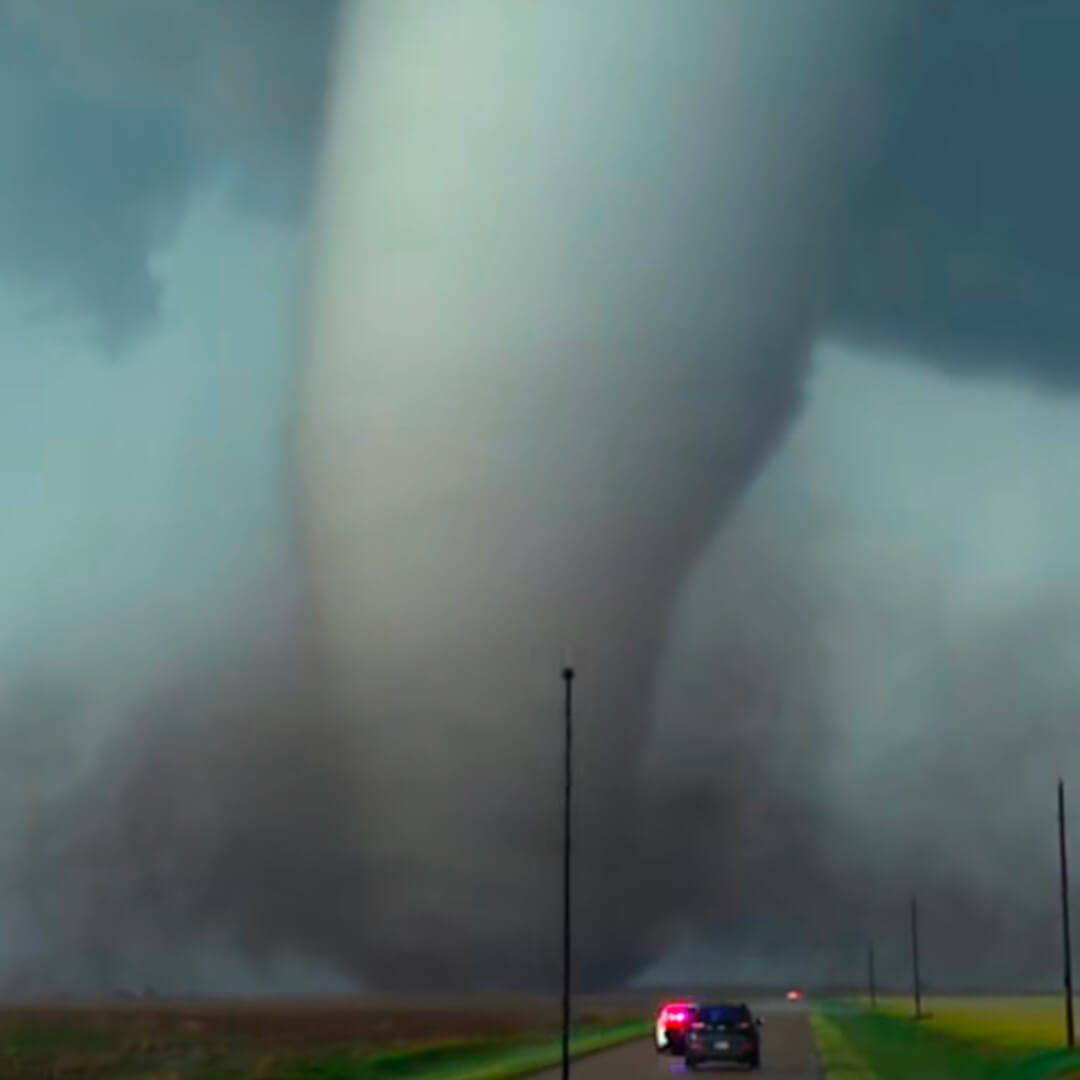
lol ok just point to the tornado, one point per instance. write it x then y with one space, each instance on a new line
567 263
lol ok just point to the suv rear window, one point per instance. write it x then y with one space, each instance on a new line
723 1014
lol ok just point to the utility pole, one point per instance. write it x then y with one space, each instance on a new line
870 976
568 745
1066 938
916 979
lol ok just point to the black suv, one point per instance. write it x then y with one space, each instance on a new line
723 1033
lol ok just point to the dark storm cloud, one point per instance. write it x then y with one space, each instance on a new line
940 563
966 240
109 114
213 813
238 805
555 335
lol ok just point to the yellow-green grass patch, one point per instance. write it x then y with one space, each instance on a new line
1014 1024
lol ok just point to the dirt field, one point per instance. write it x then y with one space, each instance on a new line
267 1039
377 1021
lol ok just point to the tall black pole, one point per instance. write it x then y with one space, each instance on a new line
1066 938
568 716
870 975
916 979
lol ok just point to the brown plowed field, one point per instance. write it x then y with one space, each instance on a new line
175 1040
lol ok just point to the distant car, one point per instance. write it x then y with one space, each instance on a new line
723 1033
671 1022
794 995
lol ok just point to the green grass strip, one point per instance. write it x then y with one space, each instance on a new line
856 1044
545 1056
836 1056
469 1059
893 1048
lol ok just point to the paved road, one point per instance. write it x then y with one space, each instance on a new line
787 1053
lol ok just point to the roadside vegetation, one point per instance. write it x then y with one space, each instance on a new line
957 1039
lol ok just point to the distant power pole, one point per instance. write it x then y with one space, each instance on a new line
870 976
1066 938
568 745
916 979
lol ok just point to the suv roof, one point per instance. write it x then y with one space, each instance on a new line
732 1009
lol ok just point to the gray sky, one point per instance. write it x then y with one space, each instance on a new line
964 243
154 185
117 117
913 604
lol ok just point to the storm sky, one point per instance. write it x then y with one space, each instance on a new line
884 628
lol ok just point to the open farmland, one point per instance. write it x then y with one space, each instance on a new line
1020 1024
330 1039
966 1038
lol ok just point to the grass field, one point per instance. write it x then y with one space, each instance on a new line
312 1040
1023 1024
964 1038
